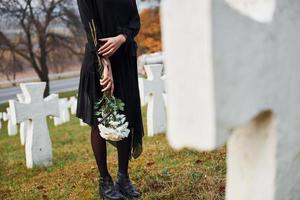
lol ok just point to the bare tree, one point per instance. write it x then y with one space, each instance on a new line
41 26
10 64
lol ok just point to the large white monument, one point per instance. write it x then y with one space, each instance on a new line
234 76
38 146
152 89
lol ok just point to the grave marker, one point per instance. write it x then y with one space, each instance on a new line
11 128
64 115
23 125
154 87
73 105
233 75
38 146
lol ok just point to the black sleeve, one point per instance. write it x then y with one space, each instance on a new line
87 15
133 27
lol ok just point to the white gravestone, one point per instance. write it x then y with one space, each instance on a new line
4 116
65 108
236 68
73 105
154 87
11 128
64 115
259 10
152 58
1 118
23 125
38 146
149 59
82 123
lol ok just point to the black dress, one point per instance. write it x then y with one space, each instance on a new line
112 17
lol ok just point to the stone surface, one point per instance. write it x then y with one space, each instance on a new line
64 115
5 117
82 123
226 68
25 124
154 87
38 146
73 105
1 118
259 10
149 59
11 128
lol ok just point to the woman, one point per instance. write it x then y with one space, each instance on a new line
117 23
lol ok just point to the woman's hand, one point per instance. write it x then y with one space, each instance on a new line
108 81
111 45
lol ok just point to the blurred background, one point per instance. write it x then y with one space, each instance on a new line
45 41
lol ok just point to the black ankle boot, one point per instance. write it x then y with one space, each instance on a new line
107 189
124 185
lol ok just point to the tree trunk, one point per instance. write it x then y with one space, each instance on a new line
43 61
47 89
45 78
44 74
14 79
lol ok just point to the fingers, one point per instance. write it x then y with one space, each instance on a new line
105 81
112 89
104 39
109 53
104 61
105 47
110 47
108 87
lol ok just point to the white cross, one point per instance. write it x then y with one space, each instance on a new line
148 59
1 118
154 87
73 104
82 123
23 125
38 147
11 128
234 76
64 115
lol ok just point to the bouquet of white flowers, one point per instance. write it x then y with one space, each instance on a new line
112 124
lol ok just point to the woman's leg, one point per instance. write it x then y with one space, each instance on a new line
100 153
124 154
107 189
123 183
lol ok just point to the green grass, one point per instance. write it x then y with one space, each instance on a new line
160 173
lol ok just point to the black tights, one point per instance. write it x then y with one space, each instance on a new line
100 152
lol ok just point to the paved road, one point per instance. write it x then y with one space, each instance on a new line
55 87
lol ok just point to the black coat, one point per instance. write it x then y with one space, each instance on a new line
112 17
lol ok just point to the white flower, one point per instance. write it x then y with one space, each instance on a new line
114 133
114 123
122 118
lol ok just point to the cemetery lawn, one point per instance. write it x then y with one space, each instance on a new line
160 173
